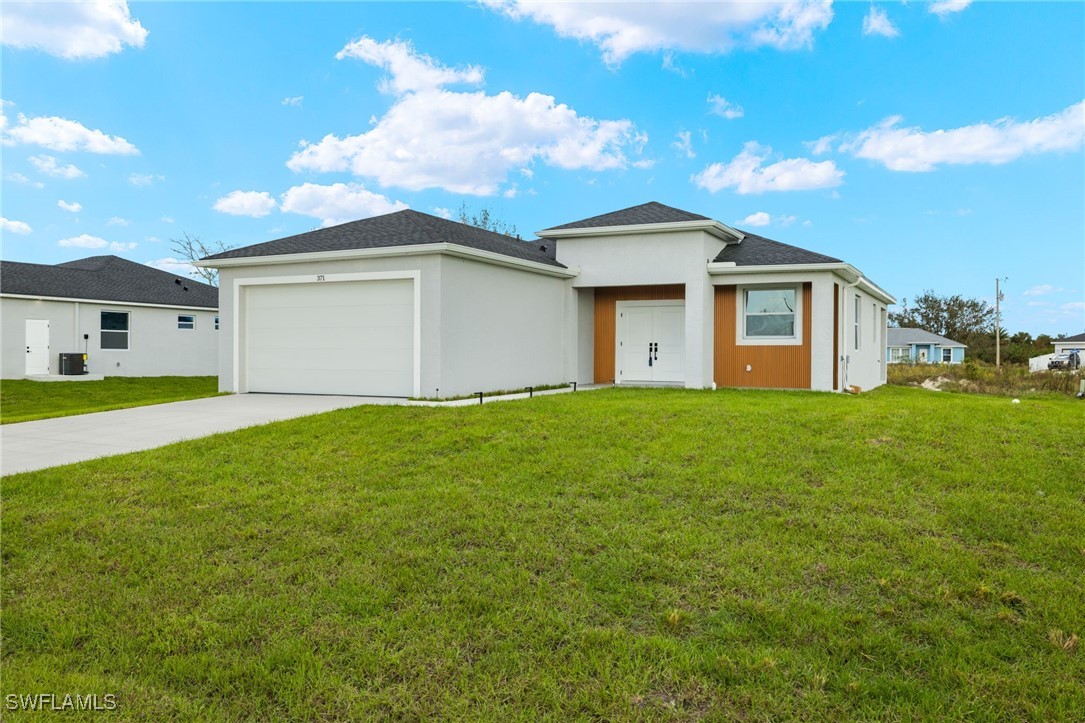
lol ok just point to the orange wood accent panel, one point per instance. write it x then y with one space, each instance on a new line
772 367
836 337
606 319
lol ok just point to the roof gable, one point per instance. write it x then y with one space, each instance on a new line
402 228
105 278
642 215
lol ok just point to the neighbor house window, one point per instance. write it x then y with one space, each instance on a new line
770 313
216 323
114 329
186 321
947 356
858 319
899 354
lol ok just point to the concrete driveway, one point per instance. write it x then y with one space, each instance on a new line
45 443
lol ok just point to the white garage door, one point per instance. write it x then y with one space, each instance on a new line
354 337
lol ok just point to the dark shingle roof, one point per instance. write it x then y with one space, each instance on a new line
760 251
646 213
402 228
105 278
907 335
1078 337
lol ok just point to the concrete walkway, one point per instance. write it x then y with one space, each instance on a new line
28 446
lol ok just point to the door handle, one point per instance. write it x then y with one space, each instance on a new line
649 353
656 351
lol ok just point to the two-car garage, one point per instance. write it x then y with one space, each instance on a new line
330 336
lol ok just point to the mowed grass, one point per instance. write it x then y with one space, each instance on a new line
22 400
616 554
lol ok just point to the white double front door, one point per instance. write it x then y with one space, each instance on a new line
651 344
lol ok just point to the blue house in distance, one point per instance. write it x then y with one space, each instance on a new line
917 346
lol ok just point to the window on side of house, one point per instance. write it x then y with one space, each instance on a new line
769 313
216 323
899 353
858 320
114 330
186 321
947 356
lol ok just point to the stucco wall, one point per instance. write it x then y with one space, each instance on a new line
676 257
500 328
156 347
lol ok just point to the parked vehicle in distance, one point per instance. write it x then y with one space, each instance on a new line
1066 361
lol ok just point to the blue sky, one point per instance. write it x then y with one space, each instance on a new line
932 145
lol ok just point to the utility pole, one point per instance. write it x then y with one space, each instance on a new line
998 325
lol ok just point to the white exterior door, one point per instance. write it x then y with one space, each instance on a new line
37 346
651 342
348 337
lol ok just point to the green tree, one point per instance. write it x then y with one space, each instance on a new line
484 219
954 317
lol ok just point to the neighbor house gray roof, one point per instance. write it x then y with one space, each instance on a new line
906 337
756 250
105 278
1077 337
644 214
402 228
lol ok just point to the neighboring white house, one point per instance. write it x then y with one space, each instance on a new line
923 347
408 304
1070 343
129 319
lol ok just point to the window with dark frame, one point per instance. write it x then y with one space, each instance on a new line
114 330
186 321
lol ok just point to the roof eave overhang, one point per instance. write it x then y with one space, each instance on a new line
448 249
845 270
108 302
721 231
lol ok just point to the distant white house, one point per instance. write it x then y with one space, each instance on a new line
129 319
1070 343
922 347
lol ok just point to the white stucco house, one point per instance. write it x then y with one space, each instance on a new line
1070 343
408 304
129 319
906 345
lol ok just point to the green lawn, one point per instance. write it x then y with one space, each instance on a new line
22 400
616 554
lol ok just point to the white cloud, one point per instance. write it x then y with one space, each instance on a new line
86 241
724 108
61 134
785 220
822 145
167 219
173 266
942 8
246 203
144 179
16 227
463 142
117 221
683 144
49 166
912 149
337 203
408 69
74 31
807 224
877 22
70 207
760 218
294 100
527 173
746 173
442 212
623 29
1042 290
